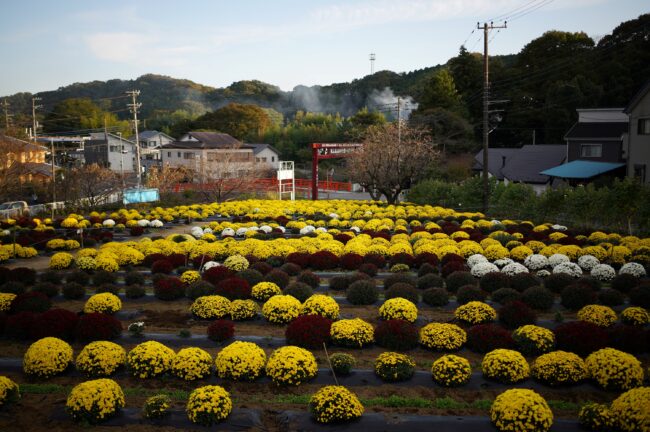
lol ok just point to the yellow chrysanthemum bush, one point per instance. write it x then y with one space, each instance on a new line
334 404
265 290
442 336
150 359
521 410
596 417
5 301
241 310
614 370
532 339
100 359
190 276
281 309
211 307
291 365
95 401
320 304
192 364
602 316
208 405
631 410
559 368
157 406
398 308
9 391
475 312
633 315
103 303
60 261
236 263
352 333
451 371
47 357
392 366
506 366
240 361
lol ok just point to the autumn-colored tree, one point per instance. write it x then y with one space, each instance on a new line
245 122
88 186
164 178
233 173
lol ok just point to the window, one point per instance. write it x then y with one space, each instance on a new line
591 150
188 155
212 156
114 149
178 154
169 154
644 126
257 159
272 158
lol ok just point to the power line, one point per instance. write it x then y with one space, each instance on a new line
522 14
507 14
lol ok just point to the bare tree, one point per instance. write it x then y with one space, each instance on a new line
166 177
229 173
391 159
89 186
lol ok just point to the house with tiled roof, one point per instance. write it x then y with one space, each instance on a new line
24 159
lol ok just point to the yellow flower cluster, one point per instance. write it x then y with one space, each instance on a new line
520 253
559 368
60 261
392 366
107 303
475 312
521 410
281 309
506 366
5 301
353 333
107 263
47 357
323 305
100 358
631 410
632 315
150 359
241 310
85 263
263 291
532 339
240 361
236 263
291 365
614 369
398 308
191 364
190 276
451 371
335 404
157 406
596 417
95 401
211 307
602 316
208 405
9 391
442 336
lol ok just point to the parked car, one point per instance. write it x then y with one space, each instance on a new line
14 209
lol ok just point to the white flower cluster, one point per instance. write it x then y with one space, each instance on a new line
333 216
321 230
109 223
228 232
567 267
588 262
241 232
495 222
143 223
208 265
557 227
481 269
503 262
356 229
536 262
557 259
543 273
307 230
634 269
514 268
156 223
266 229
476 259
603 272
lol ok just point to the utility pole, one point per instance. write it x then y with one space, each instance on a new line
34 122
8 116
121 159
134 106
53 176
372 63
399 120
486 102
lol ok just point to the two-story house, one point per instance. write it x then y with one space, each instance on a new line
266 155
639 135
110 151
24 160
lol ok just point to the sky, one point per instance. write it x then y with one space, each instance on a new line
48 44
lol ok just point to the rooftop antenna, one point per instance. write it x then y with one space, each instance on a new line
372 63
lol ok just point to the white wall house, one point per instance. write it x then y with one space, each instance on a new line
110 151
151 141
266 154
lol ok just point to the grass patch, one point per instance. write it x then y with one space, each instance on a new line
397 402
44 388
564 405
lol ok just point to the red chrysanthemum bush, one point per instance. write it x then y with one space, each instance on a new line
298 258
278 277
401 258
378 260
177 259
580 337
214 275
308 331
343 237
221 330
427 258
19 326
516 314
58 323
97 326
30 302
169 288
163 266
396 335
351 261
451 267
487 337
627 338
309 278
368 268
234 288
323 260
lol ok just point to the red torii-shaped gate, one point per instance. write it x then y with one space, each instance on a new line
326 151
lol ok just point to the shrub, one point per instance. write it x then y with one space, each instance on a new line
191 364
251 276
156 407
216 274
25 275
430 280
475 312
459 279
436 297
134 278
73 291
291 365
522 281
377 260
494 281
198 289
396 335
220 330
635 316
369 268
309 331
630 339
47 357
363 292
640 296
80 277
59 323
521 410
168 289
395 278
339 283
208 405
559 368
335 404
614 370
289 268
13 287
211 307
281 309
300 259
351 261
487 337
401 259
596 417
580 337
602 316
100 359
505 295
243 310
451 267
404 291
353 333
506 366
442 336
451 371
262 267
468 293
342 363
278 277
47 288
9 391
240 361
233 288
134 291
97 326
107 288
398 308
323 260
426 269
533 340
591 282
611 297
30 302
538 298
19 325
101 277
95 401
150 359
625 282
310 278
103 303
262 291
51 276
516 314
299 290
319 304
556 282
393 367
630 410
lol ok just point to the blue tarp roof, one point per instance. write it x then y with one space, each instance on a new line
580 169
